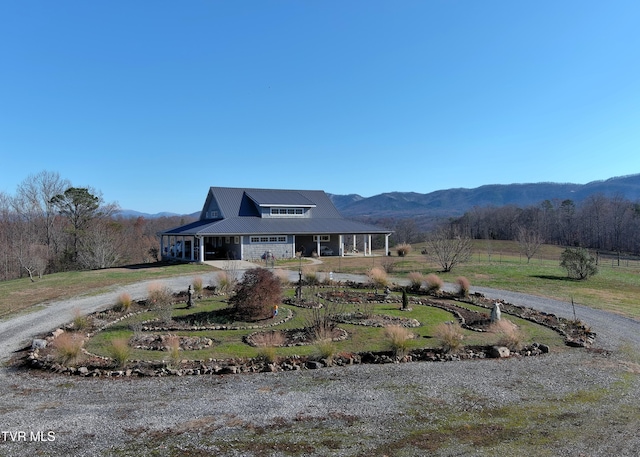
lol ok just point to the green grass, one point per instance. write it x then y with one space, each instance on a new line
230 343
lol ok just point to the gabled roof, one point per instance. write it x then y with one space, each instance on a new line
239 211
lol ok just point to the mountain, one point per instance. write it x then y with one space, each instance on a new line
455 202
129 213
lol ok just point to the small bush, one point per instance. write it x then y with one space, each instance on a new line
226 282
197 285
274 338
433 283
80 322
378 277
161 299
310 277
119 350
415 280
283 276
388 265
123 303
172 345
326 349
579 263
450 336
403 249
463 286
267 354
509 335
68 347
398 339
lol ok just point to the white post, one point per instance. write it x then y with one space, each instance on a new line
341 245
370 251
386 244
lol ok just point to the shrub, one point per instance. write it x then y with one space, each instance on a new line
172 345
310 277
415 280
267 354
80 321
161 297
450 336
403 249
388 265
123 302
378 277
226 282
326 349
509 334
463 286
256 295
398 339
578 263
68 347
274 338
283 276
119 350
197 285
434 283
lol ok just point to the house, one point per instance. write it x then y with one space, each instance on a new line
250 224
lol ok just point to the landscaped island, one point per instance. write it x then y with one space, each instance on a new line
207 330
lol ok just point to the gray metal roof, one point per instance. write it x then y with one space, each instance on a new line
240 215
259 226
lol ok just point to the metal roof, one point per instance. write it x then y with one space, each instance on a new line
241 216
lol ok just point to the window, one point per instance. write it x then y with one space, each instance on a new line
236 239
322 238
290 212
269 239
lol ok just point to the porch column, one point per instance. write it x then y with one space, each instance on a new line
386 244
370 250
318 245
201 249
354 244
341 245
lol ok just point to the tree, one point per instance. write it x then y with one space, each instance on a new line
529 242
80 207
256 295
578 263
448 249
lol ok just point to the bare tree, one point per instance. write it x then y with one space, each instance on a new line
448 249
529 241
33 202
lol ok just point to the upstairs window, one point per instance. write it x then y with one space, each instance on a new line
287 212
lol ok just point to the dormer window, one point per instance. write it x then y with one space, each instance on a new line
287 212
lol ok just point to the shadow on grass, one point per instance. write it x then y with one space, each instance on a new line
555 278
219 316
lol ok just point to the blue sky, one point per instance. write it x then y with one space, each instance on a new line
153 102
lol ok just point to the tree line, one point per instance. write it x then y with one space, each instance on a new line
599 223
49 226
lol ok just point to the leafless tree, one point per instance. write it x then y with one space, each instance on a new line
448 248
529 242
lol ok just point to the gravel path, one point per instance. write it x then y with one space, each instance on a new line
580 402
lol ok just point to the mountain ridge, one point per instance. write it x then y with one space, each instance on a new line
454 202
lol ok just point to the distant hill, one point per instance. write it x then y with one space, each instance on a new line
129 213
426 208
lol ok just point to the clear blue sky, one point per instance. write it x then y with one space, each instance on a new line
153 102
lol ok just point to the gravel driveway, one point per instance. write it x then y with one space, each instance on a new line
572 402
